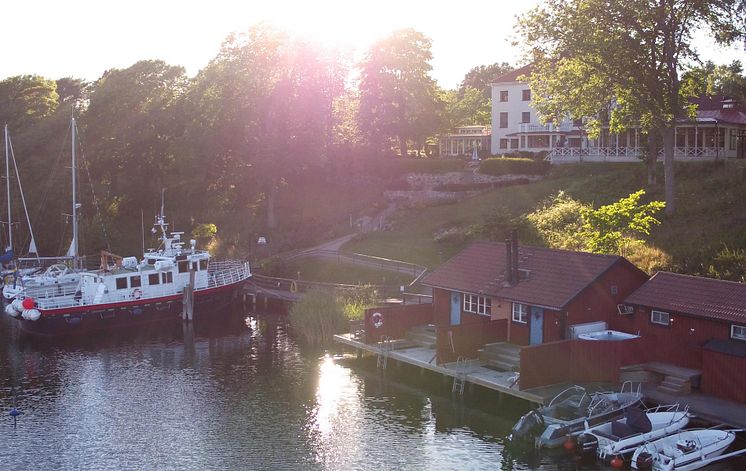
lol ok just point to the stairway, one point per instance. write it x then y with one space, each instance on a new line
423 335
675 385
501 356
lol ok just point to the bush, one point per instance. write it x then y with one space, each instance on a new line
391 168
464 186
559 222
729 264
515 166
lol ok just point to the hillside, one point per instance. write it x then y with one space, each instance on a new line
711 214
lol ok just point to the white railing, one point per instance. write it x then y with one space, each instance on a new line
549 127
226 273
560 155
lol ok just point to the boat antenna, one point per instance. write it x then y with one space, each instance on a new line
142 223
76 255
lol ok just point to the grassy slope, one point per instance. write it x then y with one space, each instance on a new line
711 212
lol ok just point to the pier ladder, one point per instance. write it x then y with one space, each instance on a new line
459 379
383 353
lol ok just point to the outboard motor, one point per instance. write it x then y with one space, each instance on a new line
527 427
587 443
644 460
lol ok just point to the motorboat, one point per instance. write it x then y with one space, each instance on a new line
571 412
685 451
621 437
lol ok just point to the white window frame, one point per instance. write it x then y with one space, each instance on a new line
738 328
522 313
477 304
659 320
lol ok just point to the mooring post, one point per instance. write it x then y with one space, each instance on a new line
187 312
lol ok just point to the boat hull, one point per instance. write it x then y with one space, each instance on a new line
84 319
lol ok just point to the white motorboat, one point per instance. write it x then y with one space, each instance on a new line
685 451
621 437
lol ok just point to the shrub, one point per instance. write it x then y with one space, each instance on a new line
729 264
514 166
559 222
464 186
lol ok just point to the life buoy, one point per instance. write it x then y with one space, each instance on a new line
136 293
293 287
377 320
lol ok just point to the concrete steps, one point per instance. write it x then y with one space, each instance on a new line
501 356
423 336
675 385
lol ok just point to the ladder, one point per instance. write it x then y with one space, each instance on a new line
459 379
383 353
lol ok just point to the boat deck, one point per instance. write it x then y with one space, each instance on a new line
473 371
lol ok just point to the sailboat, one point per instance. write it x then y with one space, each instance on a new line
172 281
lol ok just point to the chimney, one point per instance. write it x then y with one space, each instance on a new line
514 262
509 262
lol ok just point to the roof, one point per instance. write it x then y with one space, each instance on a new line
693 295
513 75
556 277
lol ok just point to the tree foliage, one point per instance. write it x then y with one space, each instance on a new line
481 77
709 79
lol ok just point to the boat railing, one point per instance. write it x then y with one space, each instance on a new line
567 393
227 272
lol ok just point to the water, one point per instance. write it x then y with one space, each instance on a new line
241 395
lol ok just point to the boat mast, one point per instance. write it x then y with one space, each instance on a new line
75 201
7 186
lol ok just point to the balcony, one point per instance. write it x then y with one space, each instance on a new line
547 128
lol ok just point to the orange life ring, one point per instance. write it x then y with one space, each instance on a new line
377 320
137 293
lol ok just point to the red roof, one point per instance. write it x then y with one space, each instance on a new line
693 295
555 277
514 75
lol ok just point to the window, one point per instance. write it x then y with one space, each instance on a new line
503 95
526 117
520 313
153 279
660 317
503 119
194 266
503 143
121 283
514 143
577 122
167 277
526 95
203 264
135 281
738 332
183 266
614 290
477 304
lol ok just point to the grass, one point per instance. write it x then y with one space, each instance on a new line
330 271
710 212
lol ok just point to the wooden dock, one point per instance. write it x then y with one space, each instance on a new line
471 371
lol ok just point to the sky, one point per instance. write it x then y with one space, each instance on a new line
84 38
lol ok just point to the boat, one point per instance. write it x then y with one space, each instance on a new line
570 413
685 451
174 281
621 437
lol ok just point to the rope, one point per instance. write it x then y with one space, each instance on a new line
23 198
95 201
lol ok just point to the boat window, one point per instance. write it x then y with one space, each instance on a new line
203 264
153 279
122 283
194 266
167 277
183 266
135 281
151 261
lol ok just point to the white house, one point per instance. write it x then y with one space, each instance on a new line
717 132
464 140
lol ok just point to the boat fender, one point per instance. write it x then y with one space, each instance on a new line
644 460
31 314
293 287
587 443
28 303
17 305
136 293
377 320
11 311
617 462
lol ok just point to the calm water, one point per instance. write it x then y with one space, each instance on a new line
241 395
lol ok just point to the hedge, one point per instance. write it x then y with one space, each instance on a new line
515 166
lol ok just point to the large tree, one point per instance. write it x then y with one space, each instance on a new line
398 98
725 79
482 76
621 61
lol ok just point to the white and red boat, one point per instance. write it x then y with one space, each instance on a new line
126 291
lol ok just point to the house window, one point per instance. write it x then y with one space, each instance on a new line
577 122
514 143
153 279
526 95
520 313
135 281
738 332
477 304
503 143
526 117
503 95
122 283
503 119
660 317
614 290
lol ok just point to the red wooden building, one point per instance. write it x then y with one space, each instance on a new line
532 294
693 322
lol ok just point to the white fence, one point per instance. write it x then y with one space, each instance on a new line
562 155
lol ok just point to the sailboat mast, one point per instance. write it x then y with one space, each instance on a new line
7 186
75 201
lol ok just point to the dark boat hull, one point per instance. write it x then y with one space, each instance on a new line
115 316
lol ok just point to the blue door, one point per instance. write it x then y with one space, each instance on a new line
455 309
537 325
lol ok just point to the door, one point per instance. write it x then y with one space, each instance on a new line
537 325
455 309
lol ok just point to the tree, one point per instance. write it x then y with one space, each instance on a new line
469 107
481 78
398 98
26 99
710 79
623 57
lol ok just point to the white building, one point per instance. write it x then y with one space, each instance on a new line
718 132
463 141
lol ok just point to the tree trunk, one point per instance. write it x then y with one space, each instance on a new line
651 158
668 168
403 146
